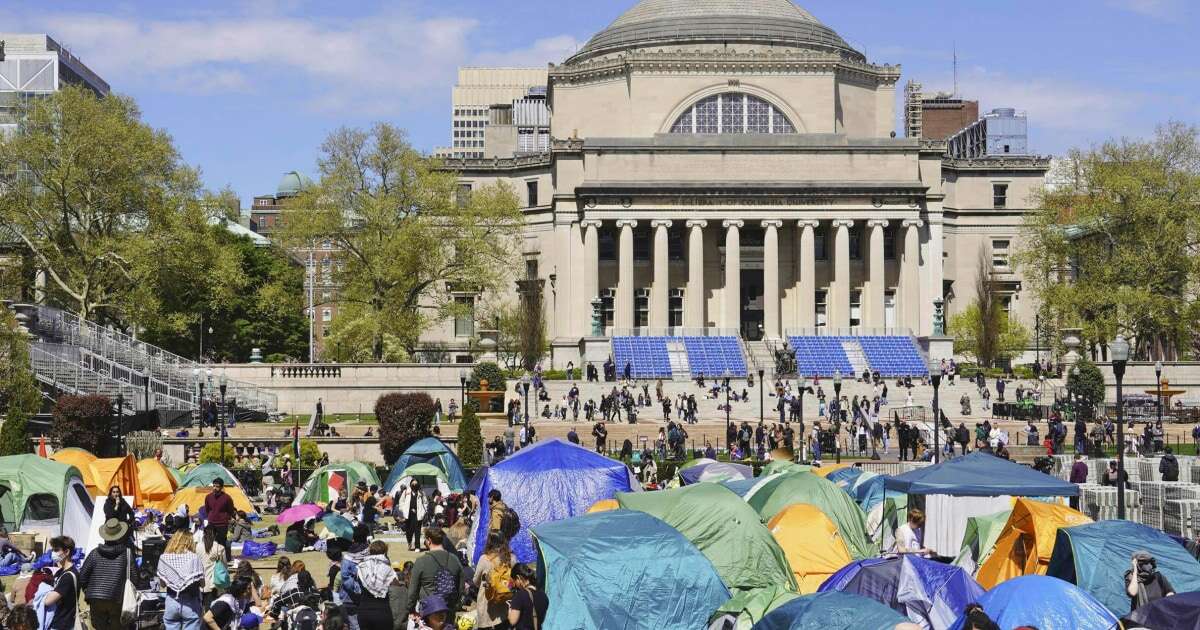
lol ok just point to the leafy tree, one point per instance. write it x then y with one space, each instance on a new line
532 340
1112 249
487 371
983 331
403 419
19 394
81 421
310 453
211 454
1087 386
470 439
401 234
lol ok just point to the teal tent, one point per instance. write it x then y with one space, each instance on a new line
429 450
204 474
1096 556
831 611
625 569
776 493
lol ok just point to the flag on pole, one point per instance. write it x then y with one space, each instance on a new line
42 450
337 485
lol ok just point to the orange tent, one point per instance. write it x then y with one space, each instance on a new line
811 542
194 499
157 483
604 505
80 459
1027 540
101 474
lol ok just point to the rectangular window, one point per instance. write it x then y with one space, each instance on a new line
889 309
464 322
731 113
327 315
999 195
607 245
463 195
821 307
758 116
706 116
641 308
641 244
856 308
326 297
607 298
855 243
1000 254
531 189
675 308
889 241
819 250
1006 304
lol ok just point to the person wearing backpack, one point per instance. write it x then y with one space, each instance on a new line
436 572
1169 466
493 574
527 608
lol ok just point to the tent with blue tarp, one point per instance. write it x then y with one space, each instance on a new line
549 481
980 475
1042 602
1179 612
742 487
625 569
831 611
1096 556
927 592
845 478
715 472
432 451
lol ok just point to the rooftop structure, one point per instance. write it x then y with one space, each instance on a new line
1003 131
34 65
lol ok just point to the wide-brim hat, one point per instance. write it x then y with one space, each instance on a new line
431 605
113 530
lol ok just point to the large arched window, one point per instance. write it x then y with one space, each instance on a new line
732 112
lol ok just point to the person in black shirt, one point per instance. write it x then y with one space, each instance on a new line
1143 583
527 608
65 595
228 607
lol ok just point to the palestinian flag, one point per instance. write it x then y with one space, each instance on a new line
337 485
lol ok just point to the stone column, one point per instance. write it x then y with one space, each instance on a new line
808 276
910 280
771 322
935 262
623 306
694 316
658 291
875 278
839 295
590 288
732 293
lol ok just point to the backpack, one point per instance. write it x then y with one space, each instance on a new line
304 619
497 589
444 583
510 523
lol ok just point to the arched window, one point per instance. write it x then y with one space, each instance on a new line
732 112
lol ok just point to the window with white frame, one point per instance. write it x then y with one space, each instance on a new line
732 112
327 315
1000 253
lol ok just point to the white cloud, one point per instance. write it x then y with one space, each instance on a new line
1150 8
543 51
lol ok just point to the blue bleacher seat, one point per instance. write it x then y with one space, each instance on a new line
647 356
820 356
714 356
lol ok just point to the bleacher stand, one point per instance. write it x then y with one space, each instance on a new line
646 356
715 357
893 356
820 356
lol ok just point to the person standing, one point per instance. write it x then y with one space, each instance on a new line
1168 467
436 572
527 608
219 510
181 573
104 573
211 552
375 578
64 598
413 506
1143 582
1079 474
493 573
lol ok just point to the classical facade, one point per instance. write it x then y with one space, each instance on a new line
734 165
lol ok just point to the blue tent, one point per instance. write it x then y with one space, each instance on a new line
432 451
625 569
742 487
1096 556
831 611
1180 612
871 492
980 475
845 478
1043 602
715 472
549 481
927 592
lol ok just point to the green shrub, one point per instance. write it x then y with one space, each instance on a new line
211 454
14 435
487 371
470 439
310 453
403 419
1087 386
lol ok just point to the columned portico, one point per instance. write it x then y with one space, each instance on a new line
733 275
591 270
839 303
771 322
910 280
874 289
694 316
658 290
808 275
623 306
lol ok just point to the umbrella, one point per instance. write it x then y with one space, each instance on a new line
339 526
301 512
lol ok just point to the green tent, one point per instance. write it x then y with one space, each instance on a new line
769 498
781 466
751 606
316 487
204 474
730 534
980 538
42 495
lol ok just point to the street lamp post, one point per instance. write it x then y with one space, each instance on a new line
837 420
462 389
761 393
121 422
803 388
1119 350
224 384
525 396
935 376
1158 389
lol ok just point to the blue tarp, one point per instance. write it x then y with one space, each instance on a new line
430 450
831 611
871 492
1044 603
1178 612
845 478
1096 556
625 569
715 472
980 475
742 487
549 481
927 592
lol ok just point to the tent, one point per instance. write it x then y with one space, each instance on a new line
714 471
1180 611
980 538
193 498
828 469
604 505
45 496
775 494
157 483
548 481
749 607
121 472
431 450
1095 557
726 530
1042 602
743 487
845 478
204 474
811 543
77 457
1025 544
431 477
328 482
927 592
782 465
625 569
831 611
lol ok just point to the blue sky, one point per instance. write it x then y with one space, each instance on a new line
250 89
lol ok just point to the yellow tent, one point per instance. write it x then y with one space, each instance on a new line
604 505
80 459
117 471
194 499
157 483
1025 543
811 543
824 470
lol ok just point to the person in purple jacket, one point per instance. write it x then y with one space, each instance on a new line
1079 474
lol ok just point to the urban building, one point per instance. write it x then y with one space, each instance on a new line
935 116
1003 131
521 127
477 90
33 65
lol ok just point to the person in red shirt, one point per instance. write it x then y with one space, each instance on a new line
219 510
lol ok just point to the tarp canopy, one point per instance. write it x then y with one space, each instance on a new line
1027 540
811 543
625 569
157 482
980 538
775 494
319 489
1095 557
981 475
1178 612
431 450
38 494
831 611
715 472
204 474
927 592
193 498
726 530
1042 602
549 481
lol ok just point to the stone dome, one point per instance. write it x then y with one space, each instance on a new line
292 184
653 23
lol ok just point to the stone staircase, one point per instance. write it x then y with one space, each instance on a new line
760 357
856 356
678 357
